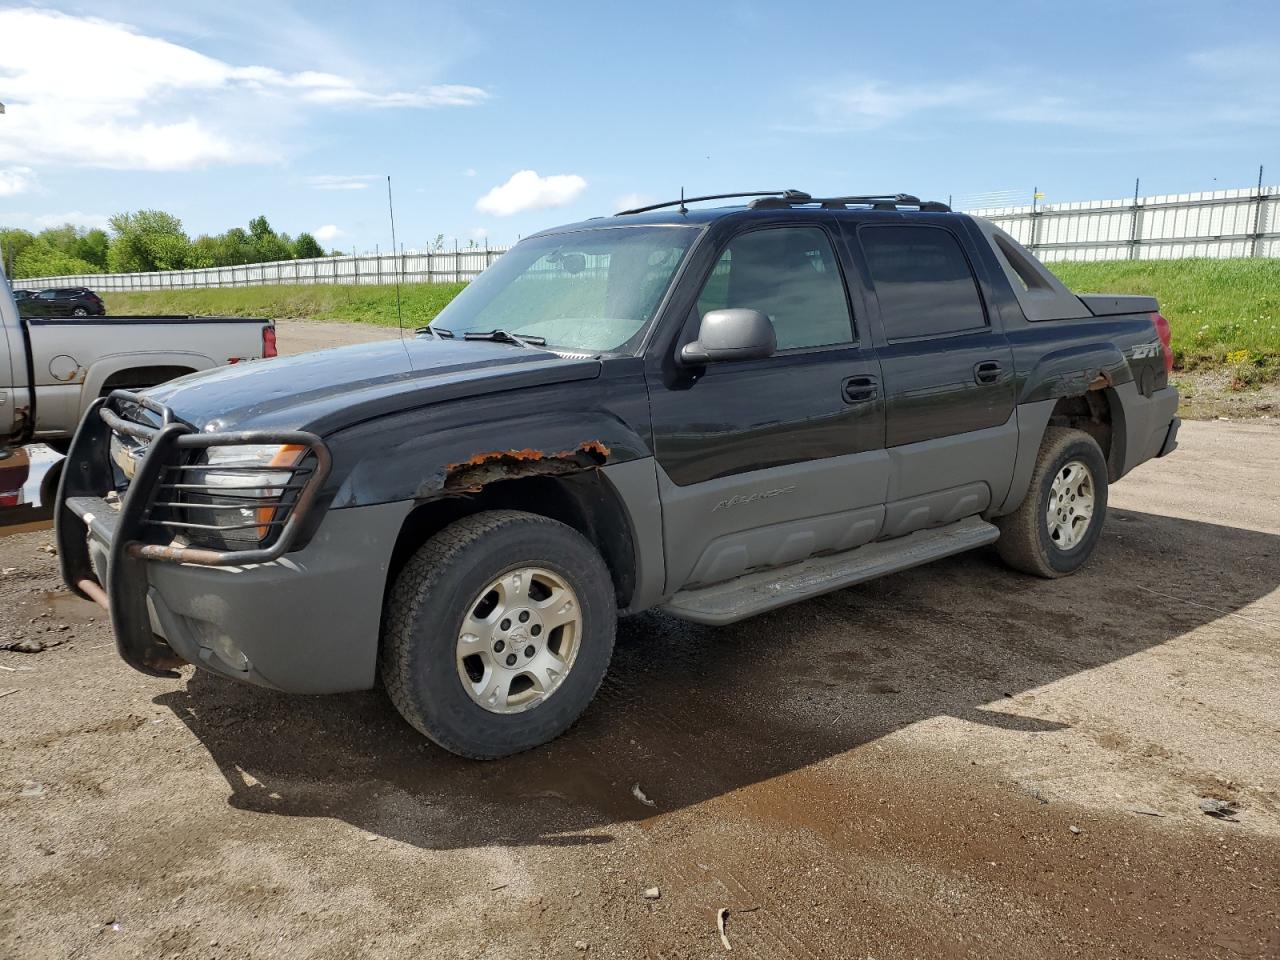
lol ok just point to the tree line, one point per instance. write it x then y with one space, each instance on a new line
143 241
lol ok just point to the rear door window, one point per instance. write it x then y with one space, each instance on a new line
923 281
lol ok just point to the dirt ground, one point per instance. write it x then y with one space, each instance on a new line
1207 395
302 336
958 761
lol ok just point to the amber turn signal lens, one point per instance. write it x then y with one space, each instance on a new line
287 456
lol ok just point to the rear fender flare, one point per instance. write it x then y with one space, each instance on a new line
1033 420
1074 370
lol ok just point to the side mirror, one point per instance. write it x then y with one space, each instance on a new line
729 335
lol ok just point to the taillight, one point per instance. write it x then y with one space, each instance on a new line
1166 340
269 341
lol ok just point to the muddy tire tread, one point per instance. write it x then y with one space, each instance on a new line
417 580
1019 545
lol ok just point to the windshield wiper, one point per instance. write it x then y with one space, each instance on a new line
505 336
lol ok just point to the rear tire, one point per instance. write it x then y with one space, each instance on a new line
1047 535
452 596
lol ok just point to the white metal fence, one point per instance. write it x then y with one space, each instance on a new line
1220 223
372 268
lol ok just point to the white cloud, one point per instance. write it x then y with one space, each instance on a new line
1233 89
116 98
328 233
16 180
528 191
629 201
866 105
469 172
39 221
341 181
99 220
1254 60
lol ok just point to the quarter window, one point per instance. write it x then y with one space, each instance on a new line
923 282
790 275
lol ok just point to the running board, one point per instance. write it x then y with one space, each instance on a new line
754 593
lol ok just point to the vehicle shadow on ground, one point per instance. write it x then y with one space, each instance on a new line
690 712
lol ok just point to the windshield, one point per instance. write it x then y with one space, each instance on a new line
594 290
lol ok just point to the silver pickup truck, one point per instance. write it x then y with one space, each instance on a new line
51 369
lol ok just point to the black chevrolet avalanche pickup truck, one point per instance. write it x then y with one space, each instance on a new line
708 411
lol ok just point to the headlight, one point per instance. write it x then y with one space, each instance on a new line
242 491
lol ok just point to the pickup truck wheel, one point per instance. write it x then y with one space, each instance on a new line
498 632
1055 529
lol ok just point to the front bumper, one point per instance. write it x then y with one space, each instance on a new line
303 621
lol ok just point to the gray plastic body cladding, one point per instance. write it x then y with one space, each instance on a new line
1033 420
769 589
636 484
1146 420
1171 438
308 623
724 528
946 472
731 524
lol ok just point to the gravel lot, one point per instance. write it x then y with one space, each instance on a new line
957 761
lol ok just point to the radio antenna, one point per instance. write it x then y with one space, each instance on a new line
395 253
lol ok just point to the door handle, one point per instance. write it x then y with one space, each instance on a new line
988 371
861 389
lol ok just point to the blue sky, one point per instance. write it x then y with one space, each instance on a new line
496 119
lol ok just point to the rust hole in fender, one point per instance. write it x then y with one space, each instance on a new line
472 474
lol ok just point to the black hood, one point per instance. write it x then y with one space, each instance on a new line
331 389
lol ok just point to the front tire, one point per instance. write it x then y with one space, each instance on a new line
498 632
1054 531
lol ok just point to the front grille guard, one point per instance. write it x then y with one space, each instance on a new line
167 486
131 534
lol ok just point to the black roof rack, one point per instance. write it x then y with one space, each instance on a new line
797 195
778 199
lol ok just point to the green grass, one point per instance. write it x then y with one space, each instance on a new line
353 304
1216 308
